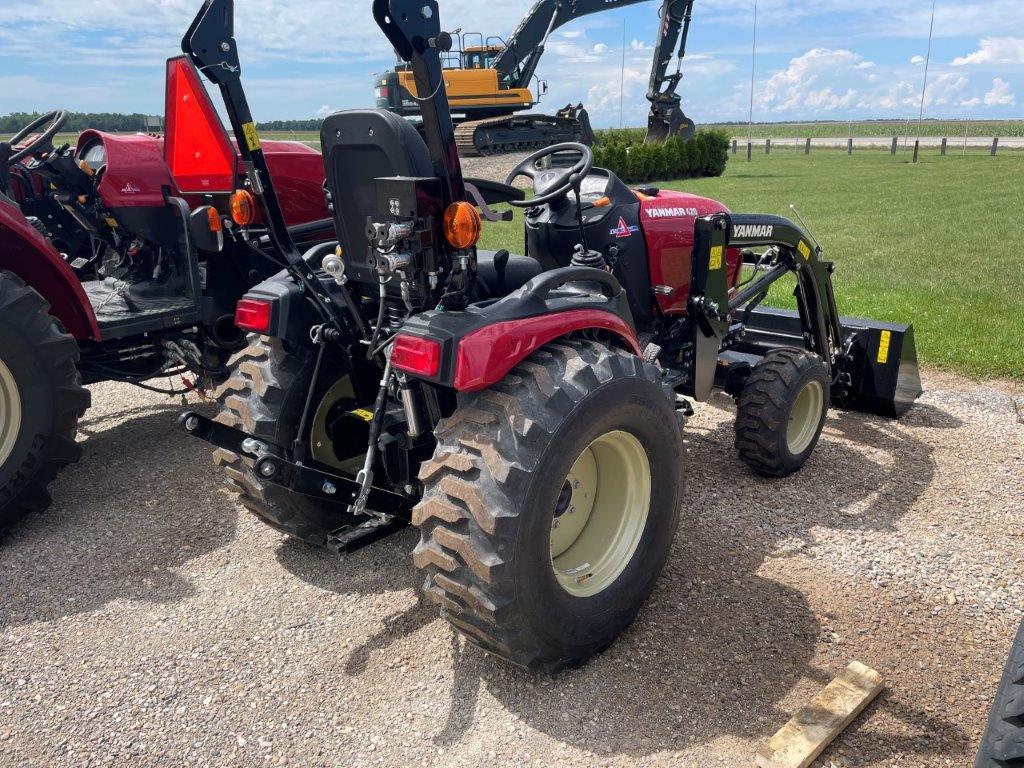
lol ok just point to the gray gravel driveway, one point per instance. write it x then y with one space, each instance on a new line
146 620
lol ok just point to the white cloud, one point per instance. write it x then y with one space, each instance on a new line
639 45
995 50
811 82
946 90
918 59
600 48
866 65
1001 95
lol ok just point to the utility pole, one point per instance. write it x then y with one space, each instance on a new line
622 71
924 87
753 69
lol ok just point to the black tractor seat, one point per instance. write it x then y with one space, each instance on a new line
518 272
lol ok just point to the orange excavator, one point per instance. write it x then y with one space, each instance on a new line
489 82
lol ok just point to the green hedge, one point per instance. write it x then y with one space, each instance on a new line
625 153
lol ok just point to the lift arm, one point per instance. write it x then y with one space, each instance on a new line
518 62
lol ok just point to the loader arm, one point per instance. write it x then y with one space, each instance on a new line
518 62
211 46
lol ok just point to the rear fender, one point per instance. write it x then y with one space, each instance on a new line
480 345
29 255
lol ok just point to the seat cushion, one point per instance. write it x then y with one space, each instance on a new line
519 271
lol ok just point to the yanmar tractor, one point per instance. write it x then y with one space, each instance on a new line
525 412
122 259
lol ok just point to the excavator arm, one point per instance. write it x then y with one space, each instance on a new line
517 63
666 117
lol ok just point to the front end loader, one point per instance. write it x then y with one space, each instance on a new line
524 412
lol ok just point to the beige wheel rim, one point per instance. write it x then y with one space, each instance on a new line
600 514
804 417
10 412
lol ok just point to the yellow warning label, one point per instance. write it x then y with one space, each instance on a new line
805 250
716 258
251 137
112 222
883 346
363 414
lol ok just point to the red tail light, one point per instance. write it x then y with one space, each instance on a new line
417 355
252 315
382 92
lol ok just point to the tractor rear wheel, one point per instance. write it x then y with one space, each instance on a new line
264 396
781 411
550 504
1003 741
41 400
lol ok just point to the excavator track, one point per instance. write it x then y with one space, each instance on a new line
516 133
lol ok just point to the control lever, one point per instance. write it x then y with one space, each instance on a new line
488 213
500 265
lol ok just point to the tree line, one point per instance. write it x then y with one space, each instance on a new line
118 122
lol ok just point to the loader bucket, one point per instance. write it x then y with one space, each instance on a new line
883 365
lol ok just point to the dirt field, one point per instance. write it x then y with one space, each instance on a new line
148 621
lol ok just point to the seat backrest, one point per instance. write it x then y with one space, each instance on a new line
360 145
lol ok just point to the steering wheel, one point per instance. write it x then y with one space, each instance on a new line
53 121
563 183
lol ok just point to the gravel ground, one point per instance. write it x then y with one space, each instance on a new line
148 621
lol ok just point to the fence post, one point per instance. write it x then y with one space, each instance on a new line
735 145
750 151
849 146
942 150
995 146
767 146
895 145
807 146
917 149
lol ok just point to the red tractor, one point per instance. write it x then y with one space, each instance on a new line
525 412
122 258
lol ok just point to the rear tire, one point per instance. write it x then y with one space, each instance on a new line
498 478
41 401
1003 742
781 411
264 397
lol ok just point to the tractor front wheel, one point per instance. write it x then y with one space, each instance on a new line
550 504
41 400
781 411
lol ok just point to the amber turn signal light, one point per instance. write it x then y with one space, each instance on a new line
462 225
243 207
214 218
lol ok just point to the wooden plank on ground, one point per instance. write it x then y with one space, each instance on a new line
813 728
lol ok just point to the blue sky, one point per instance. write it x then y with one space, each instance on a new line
818 59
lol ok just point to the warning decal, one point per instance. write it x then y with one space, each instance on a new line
883 346
252 139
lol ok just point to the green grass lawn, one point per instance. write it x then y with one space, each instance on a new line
939 244
936 128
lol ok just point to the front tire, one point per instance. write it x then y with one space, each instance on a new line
781 411
41 401
576 431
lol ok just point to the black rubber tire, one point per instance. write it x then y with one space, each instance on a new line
763 409
490 492
264 396
1002 745
43 360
